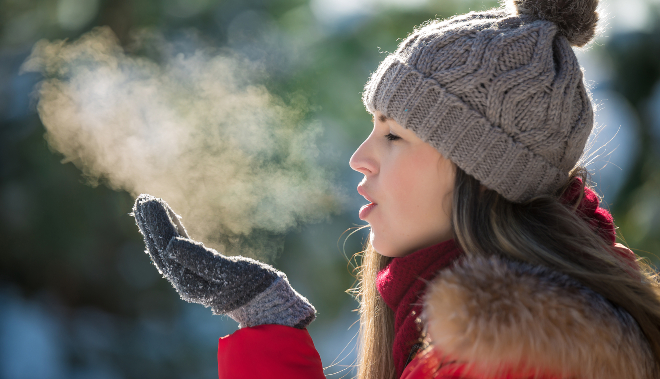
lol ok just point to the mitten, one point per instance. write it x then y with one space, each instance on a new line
250 292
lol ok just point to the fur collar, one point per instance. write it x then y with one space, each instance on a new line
500 316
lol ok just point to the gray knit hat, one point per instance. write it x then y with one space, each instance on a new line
500 93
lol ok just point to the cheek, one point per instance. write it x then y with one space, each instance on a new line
420 193
416 180
415 189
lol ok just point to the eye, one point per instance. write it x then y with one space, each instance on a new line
392 137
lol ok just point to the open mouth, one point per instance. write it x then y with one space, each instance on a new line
366 209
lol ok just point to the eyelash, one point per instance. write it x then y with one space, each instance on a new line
392 137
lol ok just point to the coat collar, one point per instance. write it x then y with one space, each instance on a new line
497 316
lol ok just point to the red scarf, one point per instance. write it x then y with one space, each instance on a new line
403 282
599 218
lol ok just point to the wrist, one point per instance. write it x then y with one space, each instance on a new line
278 304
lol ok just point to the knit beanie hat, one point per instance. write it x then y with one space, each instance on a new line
500 93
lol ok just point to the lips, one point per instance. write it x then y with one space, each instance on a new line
364 193
365 210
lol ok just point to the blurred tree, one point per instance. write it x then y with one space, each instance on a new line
635 58
71 254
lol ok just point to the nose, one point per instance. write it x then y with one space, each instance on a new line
363 159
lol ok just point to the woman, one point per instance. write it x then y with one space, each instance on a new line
488 256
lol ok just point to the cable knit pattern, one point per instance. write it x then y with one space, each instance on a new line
501 95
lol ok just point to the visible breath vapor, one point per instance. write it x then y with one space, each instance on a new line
239 164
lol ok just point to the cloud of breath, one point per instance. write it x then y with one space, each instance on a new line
239 164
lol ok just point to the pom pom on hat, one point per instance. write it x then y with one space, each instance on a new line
576 19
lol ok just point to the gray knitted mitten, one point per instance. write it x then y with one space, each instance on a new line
250 292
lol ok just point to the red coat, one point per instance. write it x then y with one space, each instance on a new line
269 351
486 318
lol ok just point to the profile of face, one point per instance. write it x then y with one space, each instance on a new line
409 185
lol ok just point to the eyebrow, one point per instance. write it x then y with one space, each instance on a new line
381 118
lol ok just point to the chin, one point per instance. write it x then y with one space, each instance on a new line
382 247
375 243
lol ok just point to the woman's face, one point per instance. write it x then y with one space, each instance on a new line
409 184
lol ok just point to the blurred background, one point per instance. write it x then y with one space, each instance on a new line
78 296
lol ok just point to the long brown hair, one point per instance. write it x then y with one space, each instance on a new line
543 231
